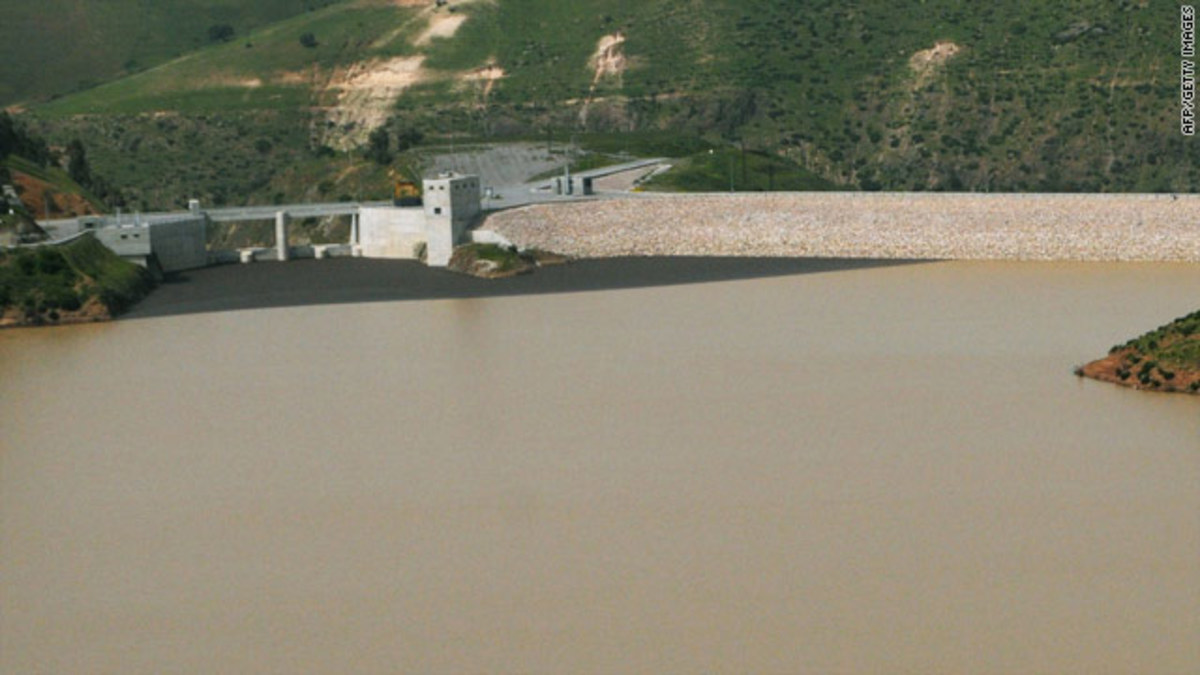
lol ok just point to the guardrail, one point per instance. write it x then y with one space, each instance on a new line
52 242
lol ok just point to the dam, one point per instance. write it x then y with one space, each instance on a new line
173 242
944 226
882 225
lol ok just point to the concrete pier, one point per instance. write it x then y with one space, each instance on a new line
281 236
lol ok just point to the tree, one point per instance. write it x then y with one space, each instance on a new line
77 163
15 140
407 138
308 40
379 146
8 135
221 32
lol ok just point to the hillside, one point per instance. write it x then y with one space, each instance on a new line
1165 359
76 282
55 47
1077 96
49 192
18 227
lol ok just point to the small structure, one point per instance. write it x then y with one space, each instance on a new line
451 203
164 245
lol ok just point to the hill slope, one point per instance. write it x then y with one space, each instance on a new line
1165 359
48 192
1081 95
76 282
54 47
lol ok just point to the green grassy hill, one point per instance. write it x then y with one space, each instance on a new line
938 95
268 69
56 47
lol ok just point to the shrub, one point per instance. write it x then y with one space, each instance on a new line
221 32
51 262
379 146
60 297
26 264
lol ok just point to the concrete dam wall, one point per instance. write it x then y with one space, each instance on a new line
957 226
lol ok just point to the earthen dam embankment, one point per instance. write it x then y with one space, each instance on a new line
954 226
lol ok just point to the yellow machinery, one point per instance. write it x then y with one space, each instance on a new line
406 193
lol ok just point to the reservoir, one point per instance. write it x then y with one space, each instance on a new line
877 470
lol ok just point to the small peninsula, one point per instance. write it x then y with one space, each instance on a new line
491 261
76 282
1165 359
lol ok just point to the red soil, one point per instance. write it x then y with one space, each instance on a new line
1111 367
36 195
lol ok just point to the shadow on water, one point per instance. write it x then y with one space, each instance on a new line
345 280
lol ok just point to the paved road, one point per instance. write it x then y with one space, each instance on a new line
542 191
69 226
319 210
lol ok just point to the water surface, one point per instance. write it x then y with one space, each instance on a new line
872 470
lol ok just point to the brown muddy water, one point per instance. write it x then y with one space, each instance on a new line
868 471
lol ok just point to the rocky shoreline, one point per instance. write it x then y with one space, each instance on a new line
1122 368
946 226
1166 359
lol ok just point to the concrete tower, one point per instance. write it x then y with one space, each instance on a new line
452 204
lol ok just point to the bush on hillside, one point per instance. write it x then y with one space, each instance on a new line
221 32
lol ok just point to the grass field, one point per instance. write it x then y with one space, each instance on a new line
267 69
56 47
733 170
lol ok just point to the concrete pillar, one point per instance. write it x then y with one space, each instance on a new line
281 235
353 229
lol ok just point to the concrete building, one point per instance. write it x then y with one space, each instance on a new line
451 204
392 232
170 245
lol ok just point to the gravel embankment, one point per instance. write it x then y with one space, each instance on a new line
867 225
